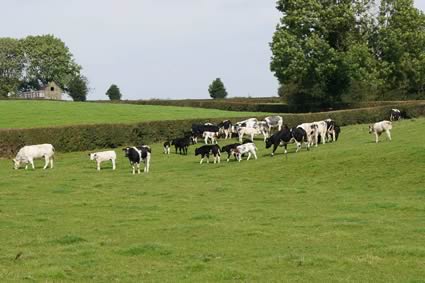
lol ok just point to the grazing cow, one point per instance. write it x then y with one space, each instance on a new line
28 153
167 147
138 154
311 130
206 150
104 156
249 148
181 144
395 115
380 127
213 136
283 137
230 149
226 129
274 122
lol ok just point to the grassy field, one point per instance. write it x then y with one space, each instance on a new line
33 114
351 211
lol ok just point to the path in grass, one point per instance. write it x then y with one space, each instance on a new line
33 114
351 211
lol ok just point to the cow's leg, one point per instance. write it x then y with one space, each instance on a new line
228 156
98 165
32 163
240 137
208 158
46 162
113 164
219 158
255 154
388 134
134 168
26 166
249 155
206 140
202 159
376 137
138 168
298 146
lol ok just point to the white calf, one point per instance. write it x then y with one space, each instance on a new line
322 130
248 131
213 136
28 153
104 156
380 127
249 148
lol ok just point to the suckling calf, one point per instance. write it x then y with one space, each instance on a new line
104 156
380 127
28 153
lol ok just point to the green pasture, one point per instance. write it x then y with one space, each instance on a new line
350 211
34 114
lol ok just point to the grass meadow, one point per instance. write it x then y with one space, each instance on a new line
350 211
35 114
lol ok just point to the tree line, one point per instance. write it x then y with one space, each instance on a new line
328 52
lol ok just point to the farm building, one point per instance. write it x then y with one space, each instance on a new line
49 91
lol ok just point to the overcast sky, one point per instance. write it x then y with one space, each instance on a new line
158 48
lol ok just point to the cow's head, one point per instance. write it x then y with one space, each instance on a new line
370 129
268 142
126 150
16 163
92 156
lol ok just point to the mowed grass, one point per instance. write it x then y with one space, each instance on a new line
351 211
35 114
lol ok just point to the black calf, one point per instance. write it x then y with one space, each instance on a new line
283 136
181 144
208 149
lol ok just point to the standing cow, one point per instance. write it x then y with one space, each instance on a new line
380 127
274 122
28 153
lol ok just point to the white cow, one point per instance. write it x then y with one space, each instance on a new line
28 153
213 136
274 122
250 123
104 156
322 130
249 148
380 127
311 130
251 132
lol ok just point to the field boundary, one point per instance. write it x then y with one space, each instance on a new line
88 137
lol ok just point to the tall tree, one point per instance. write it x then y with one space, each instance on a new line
48 59
114 93
217 89
11 65
316 47
400 46
78 88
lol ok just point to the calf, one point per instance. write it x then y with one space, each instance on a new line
226 129
321 131
249 148
181 144
213 136
104 156
28 153
380 127
395 115
138 154
206 150
274 122
311 130
167 147
299 136
230 149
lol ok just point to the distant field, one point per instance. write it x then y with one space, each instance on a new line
33 114
351 211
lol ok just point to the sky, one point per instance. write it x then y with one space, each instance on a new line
158 48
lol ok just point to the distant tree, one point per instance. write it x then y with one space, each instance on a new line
47 59
217 89
114 93
11 65
78 88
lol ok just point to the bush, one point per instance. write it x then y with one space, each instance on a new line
88 137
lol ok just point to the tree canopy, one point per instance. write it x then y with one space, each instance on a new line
32 62
326 52
114 92
78 88
217 89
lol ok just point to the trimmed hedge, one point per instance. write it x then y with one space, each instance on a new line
87 137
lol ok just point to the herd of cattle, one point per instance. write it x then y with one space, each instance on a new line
272 128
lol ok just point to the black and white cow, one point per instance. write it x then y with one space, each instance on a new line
167 147
395 115
139 154
299 136
283 137
226 128
230 149
206 150
181 144
274 122
242 149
